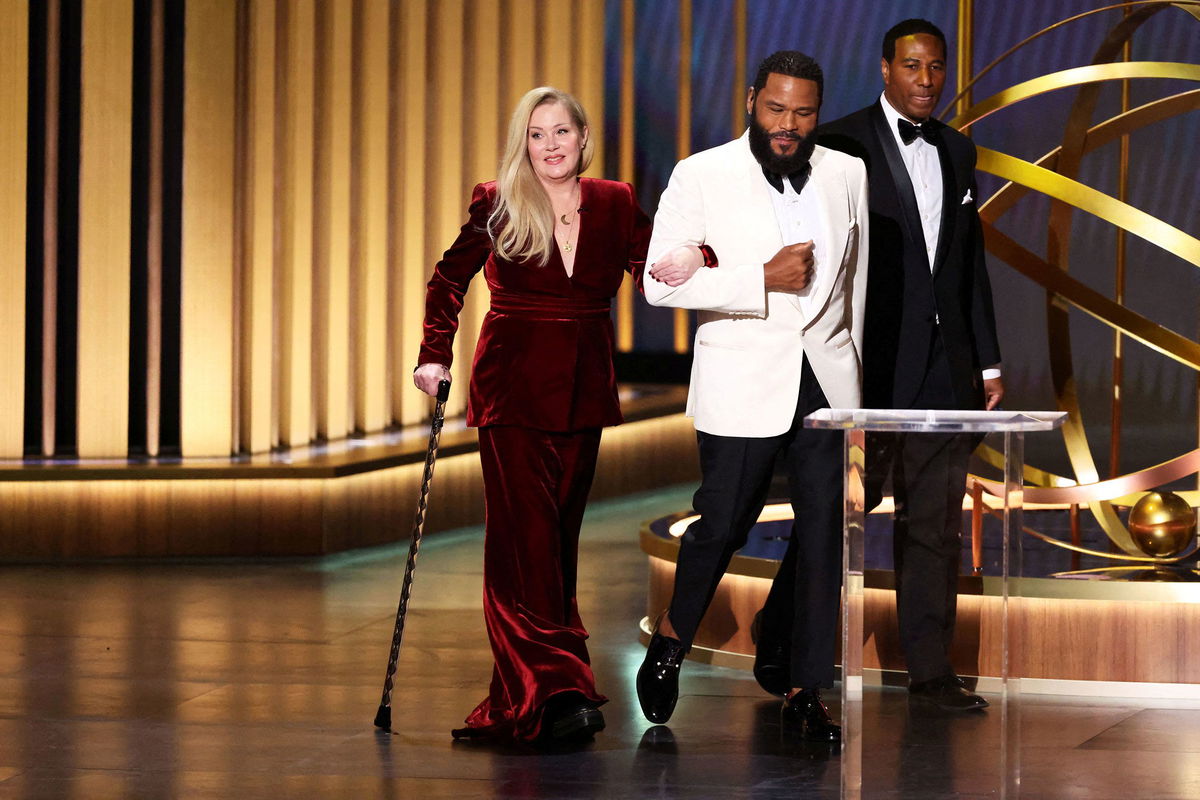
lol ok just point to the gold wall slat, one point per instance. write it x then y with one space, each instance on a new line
965 58
104 214
257 396
683 141
738 110
49 232
445 184
589 76
414 264
332 220
625 172
296 212
153 246
397 302
557 35
482 100
370 215
14 77
207 249
520 51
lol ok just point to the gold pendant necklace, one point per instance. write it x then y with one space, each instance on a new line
567 246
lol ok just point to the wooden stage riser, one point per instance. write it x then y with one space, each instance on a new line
56 520
1059 639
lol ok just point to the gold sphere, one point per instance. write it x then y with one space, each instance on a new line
1162 524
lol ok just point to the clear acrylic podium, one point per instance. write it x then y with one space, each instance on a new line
1012 426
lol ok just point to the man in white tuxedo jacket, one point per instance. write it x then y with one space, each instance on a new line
780 335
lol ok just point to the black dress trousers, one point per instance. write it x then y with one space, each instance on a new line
736 477
929 477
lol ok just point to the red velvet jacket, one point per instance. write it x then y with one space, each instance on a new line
545 353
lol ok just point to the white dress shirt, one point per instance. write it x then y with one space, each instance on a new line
925 172
801 219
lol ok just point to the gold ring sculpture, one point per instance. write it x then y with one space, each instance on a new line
1055 175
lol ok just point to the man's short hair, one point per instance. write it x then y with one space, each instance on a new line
792 63
910 27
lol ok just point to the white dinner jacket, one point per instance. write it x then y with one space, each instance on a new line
747 356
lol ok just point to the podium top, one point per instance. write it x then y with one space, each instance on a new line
934 421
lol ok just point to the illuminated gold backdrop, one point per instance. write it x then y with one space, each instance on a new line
326 151
1056 174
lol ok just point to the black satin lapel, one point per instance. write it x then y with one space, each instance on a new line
950 201
911 217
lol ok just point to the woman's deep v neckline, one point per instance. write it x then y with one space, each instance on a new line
562 256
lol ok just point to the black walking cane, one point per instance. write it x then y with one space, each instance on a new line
383 717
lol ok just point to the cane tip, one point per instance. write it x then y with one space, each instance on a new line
383 718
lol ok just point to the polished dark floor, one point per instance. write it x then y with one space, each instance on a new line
250 680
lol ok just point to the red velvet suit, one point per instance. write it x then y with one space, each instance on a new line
542 387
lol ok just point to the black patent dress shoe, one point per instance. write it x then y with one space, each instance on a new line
658 678
948 693
772 661
804 715
570 717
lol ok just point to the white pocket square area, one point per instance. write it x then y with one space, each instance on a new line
967 198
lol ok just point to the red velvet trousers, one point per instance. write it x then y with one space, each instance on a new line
535 488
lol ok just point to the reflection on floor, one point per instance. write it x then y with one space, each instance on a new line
252 680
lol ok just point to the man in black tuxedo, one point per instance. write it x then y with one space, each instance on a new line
929 335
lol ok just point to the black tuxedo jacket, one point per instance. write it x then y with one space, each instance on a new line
906 300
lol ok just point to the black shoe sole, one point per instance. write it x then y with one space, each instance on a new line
950 709
645 687
578 726
808 737
656 718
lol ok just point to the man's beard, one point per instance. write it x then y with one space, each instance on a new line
760 146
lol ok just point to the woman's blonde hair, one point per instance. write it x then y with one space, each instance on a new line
522 223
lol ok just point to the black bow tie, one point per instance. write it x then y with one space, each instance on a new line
796 179
909 132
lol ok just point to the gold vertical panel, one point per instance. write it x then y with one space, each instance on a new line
482 94
556 45
105 159
625 172
296 218
207 248
520 50
14 77
683 140
257 396
414 263
589 75
49 232
965 61
331 232
153 245
370 215
447 199
738 111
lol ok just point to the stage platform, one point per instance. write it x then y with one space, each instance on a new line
316 500
256 679
1084 625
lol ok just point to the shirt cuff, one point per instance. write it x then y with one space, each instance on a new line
991 373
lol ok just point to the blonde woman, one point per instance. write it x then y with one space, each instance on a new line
554 248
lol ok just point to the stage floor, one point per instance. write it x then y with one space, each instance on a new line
259 679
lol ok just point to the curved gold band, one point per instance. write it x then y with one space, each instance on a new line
1076 76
